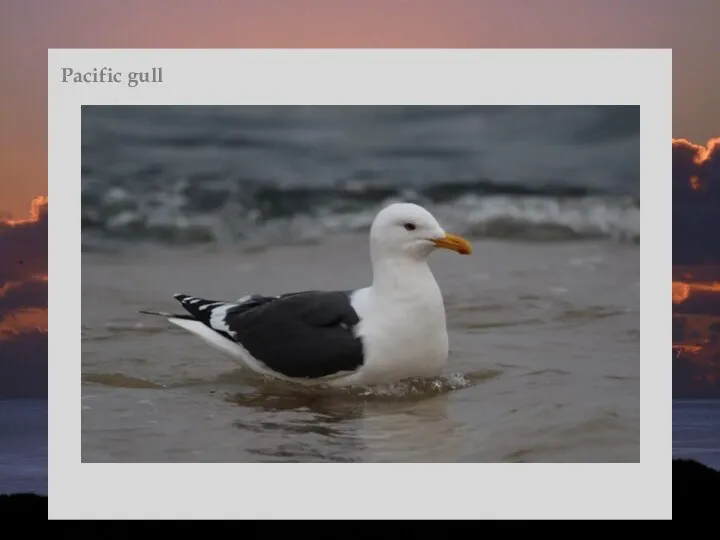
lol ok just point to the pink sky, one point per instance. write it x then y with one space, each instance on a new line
29 27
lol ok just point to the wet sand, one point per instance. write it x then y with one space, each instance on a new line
544 361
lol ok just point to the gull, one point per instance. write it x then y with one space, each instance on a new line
390 330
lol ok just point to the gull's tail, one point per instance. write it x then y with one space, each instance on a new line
207 334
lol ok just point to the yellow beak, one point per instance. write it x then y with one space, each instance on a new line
454 243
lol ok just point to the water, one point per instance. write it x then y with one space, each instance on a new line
696 431
221 202
269 174
23 446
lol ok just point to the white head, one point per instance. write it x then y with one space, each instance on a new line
410 230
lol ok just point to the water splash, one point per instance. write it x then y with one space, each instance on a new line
409 389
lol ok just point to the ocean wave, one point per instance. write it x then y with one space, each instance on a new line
212 211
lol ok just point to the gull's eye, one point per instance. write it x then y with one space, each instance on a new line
409 226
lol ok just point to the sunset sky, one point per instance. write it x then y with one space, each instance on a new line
29 27
696 269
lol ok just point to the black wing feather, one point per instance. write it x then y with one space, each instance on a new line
306 334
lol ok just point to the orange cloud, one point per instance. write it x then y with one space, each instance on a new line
30 320
700 153
38 207
696 165
682 290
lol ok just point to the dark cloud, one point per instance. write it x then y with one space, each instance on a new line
679 326
23 353
23 295
26 241
696 202
694 380
23 365
699 303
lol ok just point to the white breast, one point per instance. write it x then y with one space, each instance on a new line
404 335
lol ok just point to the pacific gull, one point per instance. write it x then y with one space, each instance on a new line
391 330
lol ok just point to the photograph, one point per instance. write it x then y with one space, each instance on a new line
360 283
368 233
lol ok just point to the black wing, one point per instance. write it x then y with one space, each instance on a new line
306 334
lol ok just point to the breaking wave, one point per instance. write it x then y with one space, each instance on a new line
263 175
196 211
